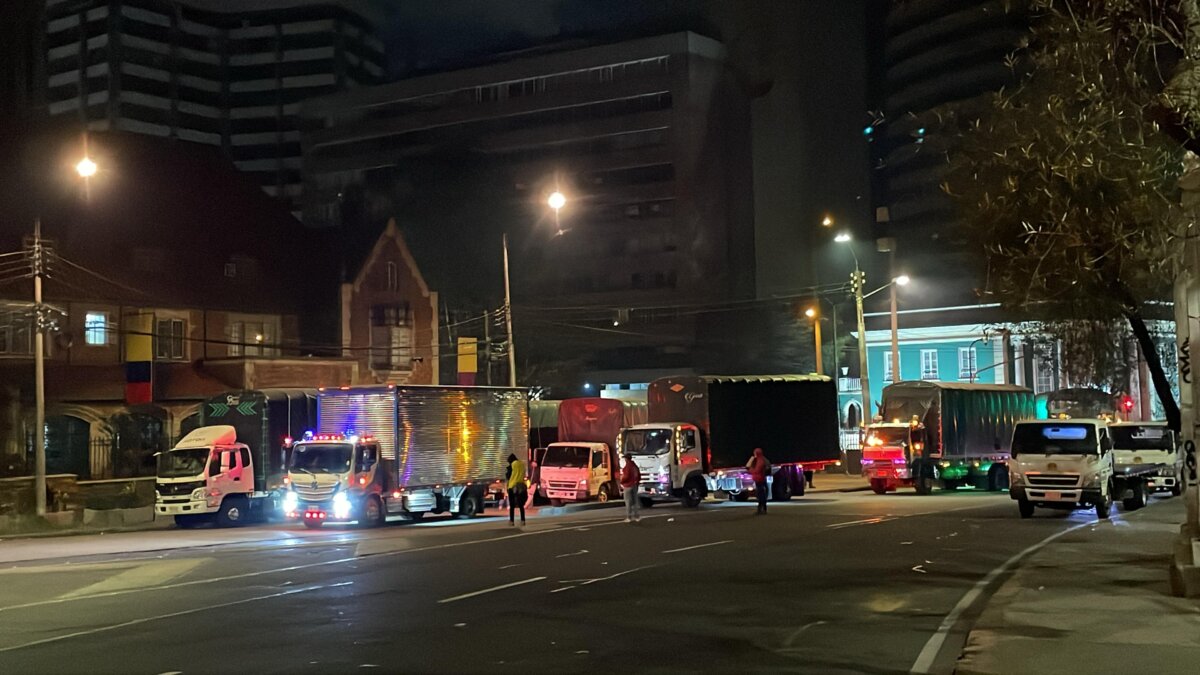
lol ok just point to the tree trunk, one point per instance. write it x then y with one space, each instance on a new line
1154 364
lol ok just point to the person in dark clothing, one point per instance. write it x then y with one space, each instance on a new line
759 468
517 491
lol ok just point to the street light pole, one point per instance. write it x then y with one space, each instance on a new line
39 375
512 349
858 279
814 313
895 337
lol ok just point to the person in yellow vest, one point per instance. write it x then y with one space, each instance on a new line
517 492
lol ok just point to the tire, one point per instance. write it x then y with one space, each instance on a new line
694 492
878 486
646 502
1104 506
740 496
372 513
470 506
190 521
1025 507
1179 487
313 523
234 512
781 487
924 481
950 485
556 502
602 496
1137 501
997 478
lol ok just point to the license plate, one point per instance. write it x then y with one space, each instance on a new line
881 473
1054 496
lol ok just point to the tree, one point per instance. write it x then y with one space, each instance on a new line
1070 178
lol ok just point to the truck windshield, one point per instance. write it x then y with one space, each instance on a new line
571 457
887 436
1054 439
180 463
1138 437
648 441
321 457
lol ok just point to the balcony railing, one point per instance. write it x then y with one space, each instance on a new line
848 385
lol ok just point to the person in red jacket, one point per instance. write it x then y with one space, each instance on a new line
630 478
759 468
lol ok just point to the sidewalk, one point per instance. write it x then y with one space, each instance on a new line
1095 601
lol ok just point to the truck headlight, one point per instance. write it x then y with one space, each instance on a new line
290 502
198 494
341 505
1091 480
583 483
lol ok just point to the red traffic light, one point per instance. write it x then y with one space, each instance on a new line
1127 404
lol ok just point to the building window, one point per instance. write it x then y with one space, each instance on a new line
887 367
967 363
96 328
393 277
929 367
1043 376
169 338
230 270
391 337
16 333
252 338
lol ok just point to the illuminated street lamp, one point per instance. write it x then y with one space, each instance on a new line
842 237
811 313
86 168
556 201
827 221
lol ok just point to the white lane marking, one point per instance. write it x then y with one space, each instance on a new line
147 574
582 551
925 659
171 615
506 567
493 589
690 548
787 644
865 521
295 568
588 582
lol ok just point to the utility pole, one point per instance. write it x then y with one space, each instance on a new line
512 348
817 338
857 280
39 373
487 347
896 377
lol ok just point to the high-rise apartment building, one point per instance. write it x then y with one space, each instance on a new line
227 74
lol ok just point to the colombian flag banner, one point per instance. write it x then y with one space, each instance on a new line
139 358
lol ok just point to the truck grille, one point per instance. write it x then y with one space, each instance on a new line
561 485
1050 480
177 489
306 492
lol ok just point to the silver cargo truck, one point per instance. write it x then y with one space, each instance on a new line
404 451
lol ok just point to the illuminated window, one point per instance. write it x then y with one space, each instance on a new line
95 328
169 339
887 367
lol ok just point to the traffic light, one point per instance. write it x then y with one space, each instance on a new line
1127 404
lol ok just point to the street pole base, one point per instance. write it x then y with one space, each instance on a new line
1185 570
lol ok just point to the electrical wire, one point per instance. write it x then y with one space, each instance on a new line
99 276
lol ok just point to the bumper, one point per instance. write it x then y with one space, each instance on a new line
321 511
656 492
566 495
183 508
1041 495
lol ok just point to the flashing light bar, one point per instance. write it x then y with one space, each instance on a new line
348 436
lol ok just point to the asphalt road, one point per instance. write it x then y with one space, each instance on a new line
827 583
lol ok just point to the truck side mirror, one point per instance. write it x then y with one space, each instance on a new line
1106 444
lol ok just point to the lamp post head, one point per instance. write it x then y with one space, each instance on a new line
902 280
810 312
86 167
842 237
827 221
557 200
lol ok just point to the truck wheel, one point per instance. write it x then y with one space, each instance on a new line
950 484
923 483
233 512
602 496
1136 500
1025 507
469 506
997 478
556 502
781 487
693 493
646 502
372 513
1104 506
190 521
878 486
